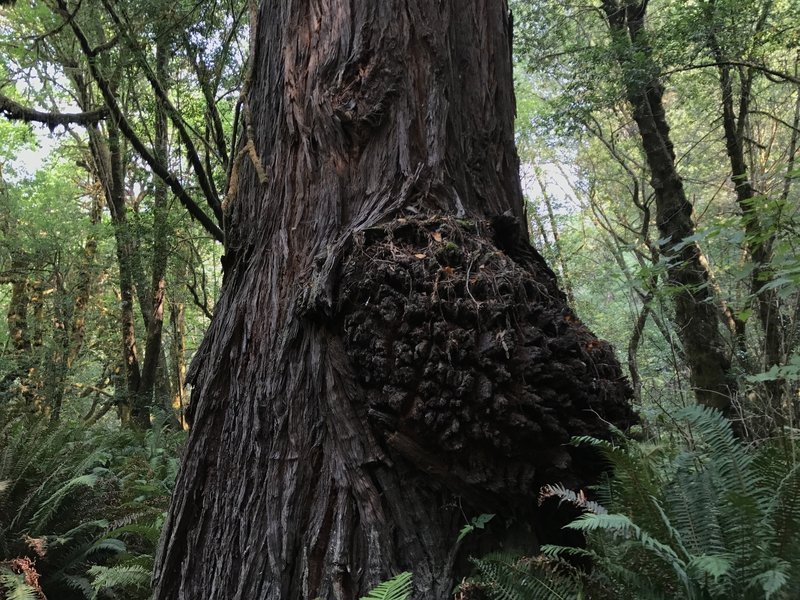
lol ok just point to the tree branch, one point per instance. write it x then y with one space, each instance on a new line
738 63
16 112
127 130
191 152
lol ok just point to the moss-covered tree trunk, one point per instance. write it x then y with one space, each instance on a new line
696 315
388 354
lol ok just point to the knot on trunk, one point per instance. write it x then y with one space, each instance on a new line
472 357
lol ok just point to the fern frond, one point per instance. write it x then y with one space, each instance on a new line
76 583
714 566
396 588
624 527
508 577
726 454
148 532
783 516
693 504
119 576
771 582
577 499
50 506
554 551
14 587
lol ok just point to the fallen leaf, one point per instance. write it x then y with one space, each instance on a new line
437 236
420 255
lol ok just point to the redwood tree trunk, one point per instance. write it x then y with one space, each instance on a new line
388 354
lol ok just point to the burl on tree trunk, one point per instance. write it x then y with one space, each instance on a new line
389 355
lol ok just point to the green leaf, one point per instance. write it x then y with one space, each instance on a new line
481 521
465 531
771 581
478 522
13 587
396 588
772 375
715 566
120 576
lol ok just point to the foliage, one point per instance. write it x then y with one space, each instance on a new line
714 518
15 585
396 588
86 506
591 200
478 522
697 513
509 577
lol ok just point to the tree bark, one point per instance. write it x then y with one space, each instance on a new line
178 362
131 408
388 353
154 318
695 311
758 242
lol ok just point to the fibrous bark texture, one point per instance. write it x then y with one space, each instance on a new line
388 354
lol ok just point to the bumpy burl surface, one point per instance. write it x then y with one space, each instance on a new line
471 352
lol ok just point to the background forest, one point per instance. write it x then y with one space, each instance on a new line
124 129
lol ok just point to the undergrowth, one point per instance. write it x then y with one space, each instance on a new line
711 518
81 510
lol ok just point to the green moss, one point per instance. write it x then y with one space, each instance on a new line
466 224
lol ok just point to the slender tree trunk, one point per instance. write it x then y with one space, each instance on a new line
70 323
178 322
695 309
84 287
37 289
388 352
17 314
566 284
758 242
155 315
19 302
131 406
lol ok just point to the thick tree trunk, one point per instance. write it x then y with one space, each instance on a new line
388 353
695 309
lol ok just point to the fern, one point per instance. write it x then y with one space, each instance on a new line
396 588
13 586
78 500
119 577
714 519
576 499
50 505
508 577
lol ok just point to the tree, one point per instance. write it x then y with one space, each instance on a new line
388 353
173 109
716 77
760 239
695 310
